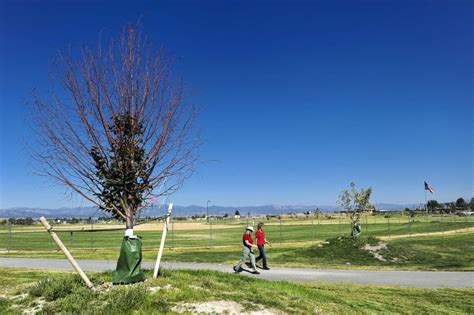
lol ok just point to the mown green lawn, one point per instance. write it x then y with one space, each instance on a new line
64 293
279 235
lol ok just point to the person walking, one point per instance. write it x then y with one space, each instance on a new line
261 241
247 251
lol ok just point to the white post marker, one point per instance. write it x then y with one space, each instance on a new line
65 251
162 243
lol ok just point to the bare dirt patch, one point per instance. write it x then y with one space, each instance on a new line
221 307
449 232
39 304
374 250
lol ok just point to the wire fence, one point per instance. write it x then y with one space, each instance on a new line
216 233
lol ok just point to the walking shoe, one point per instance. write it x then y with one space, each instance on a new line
266 268
255 272
237 270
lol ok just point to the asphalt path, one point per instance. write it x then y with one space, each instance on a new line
421 279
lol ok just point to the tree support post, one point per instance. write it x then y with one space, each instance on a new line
65 251
162 243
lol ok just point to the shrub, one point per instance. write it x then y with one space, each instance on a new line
4 304
54 288
125 299
80 301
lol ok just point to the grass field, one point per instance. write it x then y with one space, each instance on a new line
178 291
296 243
419 245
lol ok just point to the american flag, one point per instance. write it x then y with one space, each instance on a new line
428 187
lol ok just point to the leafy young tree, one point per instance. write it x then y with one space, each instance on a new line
440 207
432 205
116 126
447 207
355 201
452 207
461 204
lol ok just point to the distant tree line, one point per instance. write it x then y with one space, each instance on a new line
31 221
19 221
459 205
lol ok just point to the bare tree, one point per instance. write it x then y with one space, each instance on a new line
117 125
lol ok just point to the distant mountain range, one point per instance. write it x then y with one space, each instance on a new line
181 211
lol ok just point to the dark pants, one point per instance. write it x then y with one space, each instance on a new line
262 256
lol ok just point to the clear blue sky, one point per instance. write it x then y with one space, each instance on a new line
298 98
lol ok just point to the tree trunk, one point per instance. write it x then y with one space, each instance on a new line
129 222
128 214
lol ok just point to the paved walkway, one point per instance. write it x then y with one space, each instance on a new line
422 279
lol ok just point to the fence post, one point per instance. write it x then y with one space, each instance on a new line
172 233
441 222
339 224
50 244
409 224
281 236
366 225
388 224
210 232
92 234
9 236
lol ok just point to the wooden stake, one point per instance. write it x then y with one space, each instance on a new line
162 243
65 251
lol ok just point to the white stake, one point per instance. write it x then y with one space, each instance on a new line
162 243
65 251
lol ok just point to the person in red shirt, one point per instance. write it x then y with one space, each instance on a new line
261 241
247 251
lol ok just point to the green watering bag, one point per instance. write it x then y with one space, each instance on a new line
128 265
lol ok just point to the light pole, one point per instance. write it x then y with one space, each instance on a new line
210 224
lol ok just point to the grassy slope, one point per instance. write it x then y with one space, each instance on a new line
448 252
66 294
